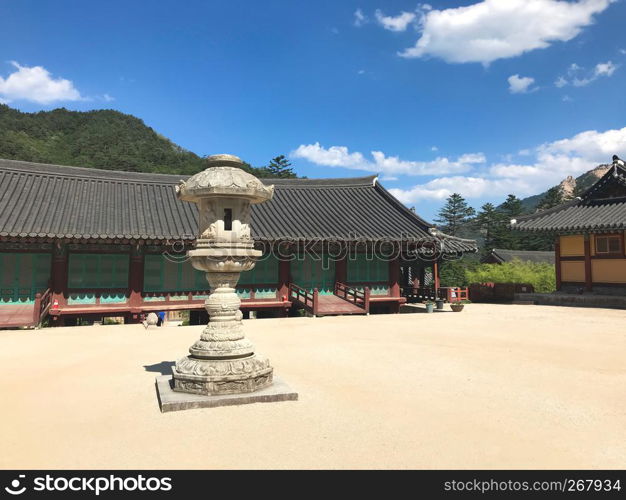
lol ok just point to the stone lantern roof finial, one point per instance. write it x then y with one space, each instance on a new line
224 177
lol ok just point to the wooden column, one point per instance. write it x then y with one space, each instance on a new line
341 270
436 275
394 277
284 279
135 282
58 282
422 276
58 275
557 262
588 277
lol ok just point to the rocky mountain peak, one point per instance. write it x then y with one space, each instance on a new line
567 187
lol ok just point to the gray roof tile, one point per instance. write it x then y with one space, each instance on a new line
72 202
505 255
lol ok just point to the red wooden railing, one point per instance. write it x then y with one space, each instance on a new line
42 306
308 300
455 293
357 297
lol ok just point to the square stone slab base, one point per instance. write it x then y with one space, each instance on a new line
170 400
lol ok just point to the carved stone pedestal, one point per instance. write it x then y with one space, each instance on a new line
222 361
170 400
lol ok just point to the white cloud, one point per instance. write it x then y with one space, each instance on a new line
361 72
340 156
560 82
578 77
334 156
434 148
108 98
472 158
36 84
593 146
441 188
622 51
521 84
552 163
397 23
605 69
567 98
359 18
495 29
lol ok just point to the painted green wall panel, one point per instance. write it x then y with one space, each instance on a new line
161 274
265 272
265 293
113 298
375 289
23 275
310 273
93 270
81 298
160 298
362 269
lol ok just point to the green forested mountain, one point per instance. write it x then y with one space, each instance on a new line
101 139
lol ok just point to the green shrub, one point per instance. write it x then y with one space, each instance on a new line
540 275
454 272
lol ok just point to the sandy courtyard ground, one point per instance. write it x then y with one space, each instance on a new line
491 387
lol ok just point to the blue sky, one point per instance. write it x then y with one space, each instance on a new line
478 97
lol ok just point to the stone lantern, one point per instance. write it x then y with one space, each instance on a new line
223 361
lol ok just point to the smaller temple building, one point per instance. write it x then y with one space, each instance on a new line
590 254
501 255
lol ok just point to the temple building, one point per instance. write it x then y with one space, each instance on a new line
501 256
83 244
590 254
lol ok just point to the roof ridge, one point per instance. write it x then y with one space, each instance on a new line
614 171
322 181
378 186
512 250
92 173
159 178
541 213
456 238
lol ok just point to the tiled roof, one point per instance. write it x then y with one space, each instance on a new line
601 208
504 255
51 201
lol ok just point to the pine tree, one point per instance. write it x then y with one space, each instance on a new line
552 198
512 206
518 240
490 222
454 214
280 167
506 237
